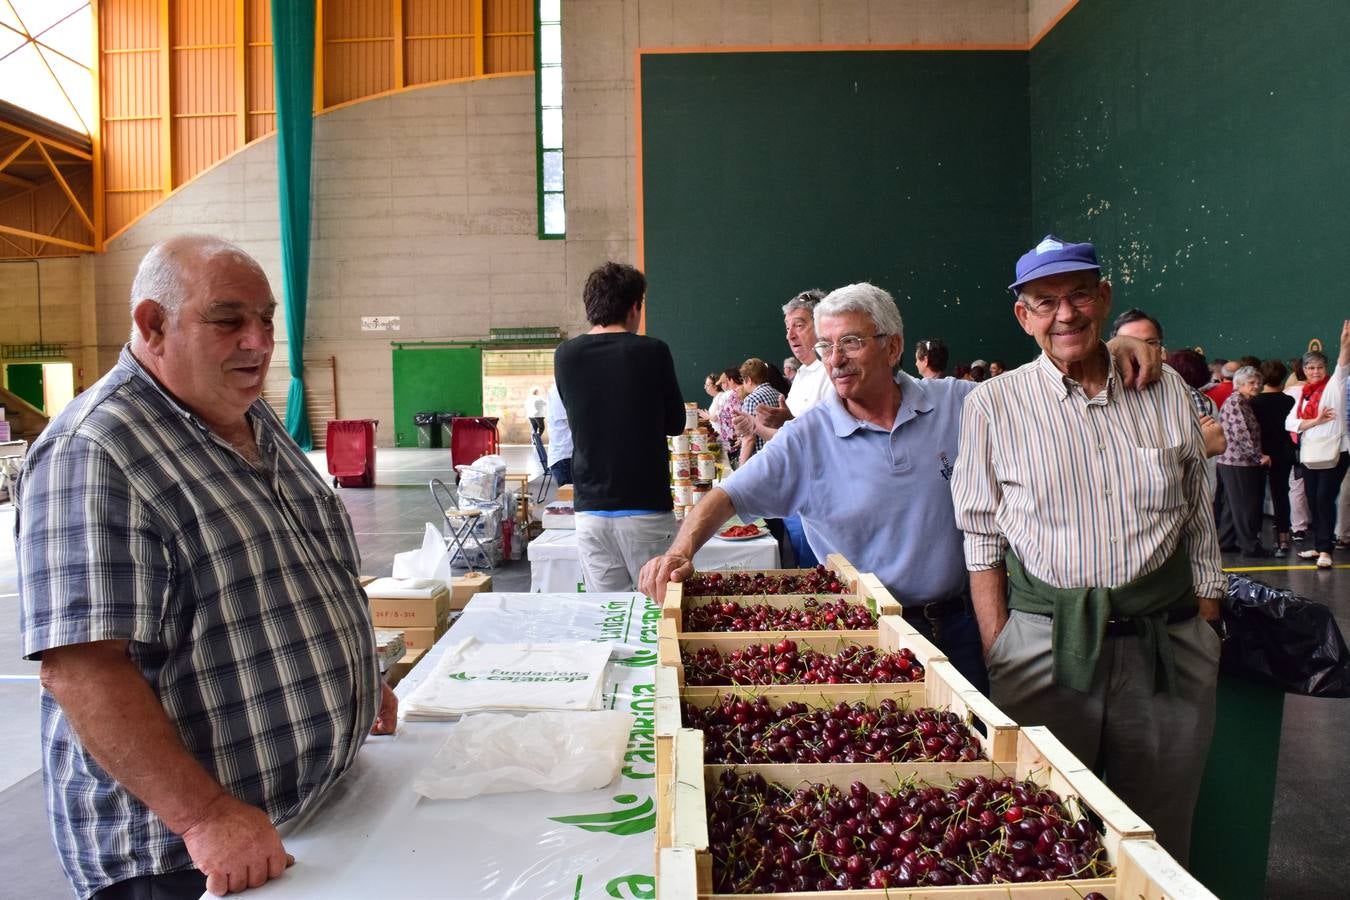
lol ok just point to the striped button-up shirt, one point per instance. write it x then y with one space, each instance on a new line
1087 491
236 588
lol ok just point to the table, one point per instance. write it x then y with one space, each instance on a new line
555 565
372 836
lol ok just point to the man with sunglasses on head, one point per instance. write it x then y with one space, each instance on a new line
867 469
1094 566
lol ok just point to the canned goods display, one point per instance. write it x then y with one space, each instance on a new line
680 443
700 491
698 442
707 467
682 467
683 493
690 416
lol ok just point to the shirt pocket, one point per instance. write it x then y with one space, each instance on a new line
1154 482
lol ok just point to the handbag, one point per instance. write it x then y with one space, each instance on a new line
1320 447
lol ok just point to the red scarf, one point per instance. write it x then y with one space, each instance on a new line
1311 397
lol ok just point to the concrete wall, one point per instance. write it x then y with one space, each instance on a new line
424 207
51 301
425 203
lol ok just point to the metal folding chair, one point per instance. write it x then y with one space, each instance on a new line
543 461
459 525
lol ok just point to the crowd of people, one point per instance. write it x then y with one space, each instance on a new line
190 584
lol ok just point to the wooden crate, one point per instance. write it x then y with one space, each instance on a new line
943 688
866 590
1143 871
848 576
893 633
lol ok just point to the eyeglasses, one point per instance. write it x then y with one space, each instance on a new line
849 345
1048 306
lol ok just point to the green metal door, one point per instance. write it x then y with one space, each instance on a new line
25 380
435 379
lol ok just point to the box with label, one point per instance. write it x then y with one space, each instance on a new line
417 639
405 603
463 587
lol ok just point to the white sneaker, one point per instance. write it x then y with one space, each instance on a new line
1309 554
1324 561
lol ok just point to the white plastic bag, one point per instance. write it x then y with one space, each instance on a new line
500 753
430 561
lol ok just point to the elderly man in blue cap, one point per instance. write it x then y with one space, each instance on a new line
1093 560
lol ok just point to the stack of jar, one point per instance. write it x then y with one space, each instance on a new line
693 463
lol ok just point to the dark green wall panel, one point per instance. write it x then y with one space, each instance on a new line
1201 145
768 173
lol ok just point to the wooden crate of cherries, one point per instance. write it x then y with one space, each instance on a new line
1038 825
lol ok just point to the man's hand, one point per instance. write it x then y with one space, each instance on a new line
1265 459
744 425
772 416
660 571
1140 362
1210 608
386 720
236 846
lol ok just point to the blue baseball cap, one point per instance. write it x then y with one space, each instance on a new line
1051 257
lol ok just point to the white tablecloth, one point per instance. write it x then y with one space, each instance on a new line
372 836
555 567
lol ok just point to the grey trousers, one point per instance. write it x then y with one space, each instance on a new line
1150 748
613 550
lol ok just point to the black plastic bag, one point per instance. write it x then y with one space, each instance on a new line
1284 640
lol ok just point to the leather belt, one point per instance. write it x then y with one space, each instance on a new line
1127 627
938 609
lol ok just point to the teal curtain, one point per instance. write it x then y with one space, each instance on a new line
293 59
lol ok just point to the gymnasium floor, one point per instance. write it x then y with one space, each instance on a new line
1307 852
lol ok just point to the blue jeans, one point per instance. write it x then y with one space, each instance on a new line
797 537
958 636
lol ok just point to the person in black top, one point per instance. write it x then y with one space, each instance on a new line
1270 407
622 399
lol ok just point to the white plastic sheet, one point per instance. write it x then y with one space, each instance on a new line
372 830
555 562
497 753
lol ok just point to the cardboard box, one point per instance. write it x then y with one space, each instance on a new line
418 639
463 587
404 613
565 493
399 670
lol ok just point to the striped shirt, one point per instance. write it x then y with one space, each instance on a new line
1089 492
236 588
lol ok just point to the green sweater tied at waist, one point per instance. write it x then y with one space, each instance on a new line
1080 616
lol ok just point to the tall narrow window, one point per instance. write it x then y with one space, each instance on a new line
548 77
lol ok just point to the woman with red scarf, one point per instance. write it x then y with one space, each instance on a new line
1319 415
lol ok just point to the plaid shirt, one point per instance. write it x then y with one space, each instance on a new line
763 395
236 588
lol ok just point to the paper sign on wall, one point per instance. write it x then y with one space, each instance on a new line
379 323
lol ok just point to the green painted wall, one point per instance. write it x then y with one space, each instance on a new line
1201 145
435 379
768 173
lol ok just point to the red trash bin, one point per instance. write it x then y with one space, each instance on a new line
351 452
472 437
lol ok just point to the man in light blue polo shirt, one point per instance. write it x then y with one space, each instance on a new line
867 469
